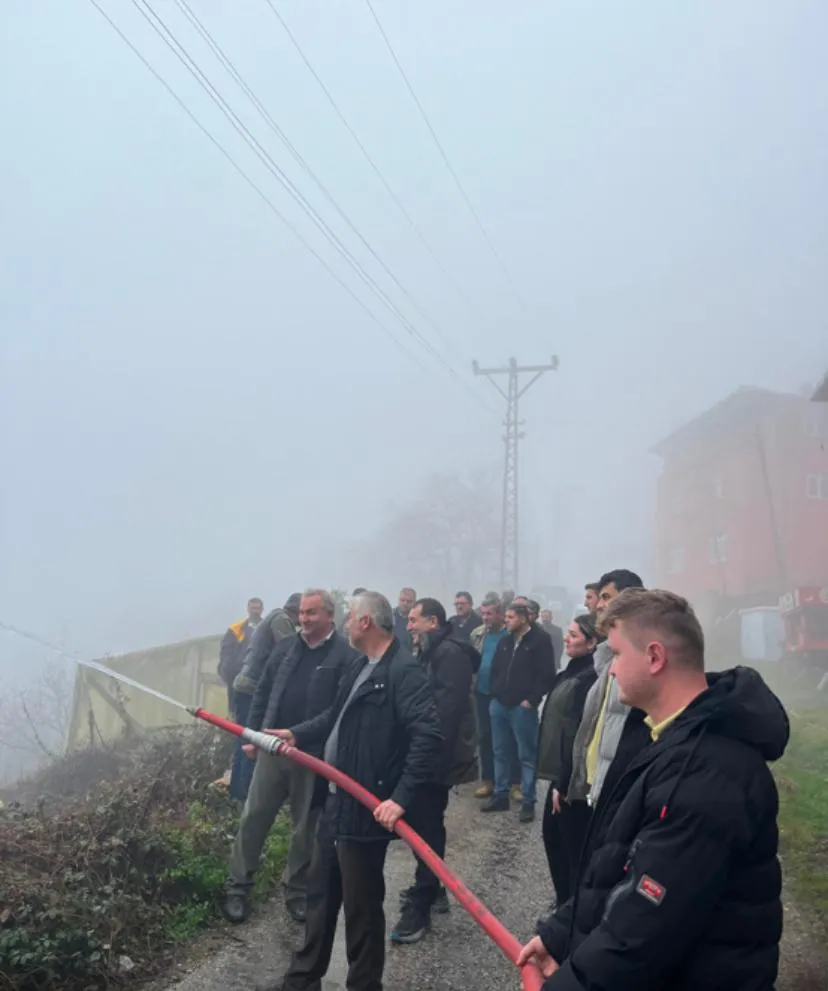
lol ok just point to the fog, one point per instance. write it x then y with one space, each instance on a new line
194 411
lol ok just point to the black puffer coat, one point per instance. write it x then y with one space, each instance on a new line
681 889
389 738
451 665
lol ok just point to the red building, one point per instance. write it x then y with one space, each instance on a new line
742 504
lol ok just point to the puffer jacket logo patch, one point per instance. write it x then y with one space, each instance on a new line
651 890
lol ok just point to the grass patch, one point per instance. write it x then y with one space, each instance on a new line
802 777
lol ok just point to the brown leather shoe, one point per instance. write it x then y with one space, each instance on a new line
517 794
486 790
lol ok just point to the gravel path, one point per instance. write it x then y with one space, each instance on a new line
502 861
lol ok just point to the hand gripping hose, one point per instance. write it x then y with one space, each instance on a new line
507 943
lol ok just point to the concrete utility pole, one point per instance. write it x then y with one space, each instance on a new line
509 537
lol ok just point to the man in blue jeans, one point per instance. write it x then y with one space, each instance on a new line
485 640
522 673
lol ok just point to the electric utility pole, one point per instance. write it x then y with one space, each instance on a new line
509 536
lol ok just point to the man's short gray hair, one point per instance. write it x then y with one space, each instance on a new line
328 603
376 607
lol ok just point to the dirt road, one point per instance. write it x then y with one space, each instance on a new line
501 861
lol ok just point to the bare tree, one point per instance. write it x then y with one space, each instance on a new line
446 537
34 720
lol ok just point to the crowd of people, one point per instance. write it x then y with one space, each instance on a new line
659 818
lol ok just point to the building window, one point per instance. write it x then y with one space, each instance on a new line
816 486
718 549
675 563
816 421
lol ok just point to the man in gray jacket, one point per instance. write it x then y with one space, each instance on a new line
608 729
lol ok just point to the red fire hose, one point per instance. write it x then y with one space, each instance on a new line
494 929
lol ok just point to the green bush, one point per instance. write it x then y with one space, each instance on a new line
94 890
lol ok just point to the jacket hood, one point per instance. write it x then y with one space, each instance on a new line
738 704
602 657
444 637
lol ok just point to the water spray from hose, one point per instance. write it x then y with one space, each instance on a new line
506 942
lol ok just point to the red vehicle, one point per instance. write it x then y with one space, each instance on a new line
805 615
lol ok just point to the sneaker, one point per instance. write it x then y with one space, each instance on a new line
440 906
412 925
516 793
527 812
486 790
297 912
497 803
236 908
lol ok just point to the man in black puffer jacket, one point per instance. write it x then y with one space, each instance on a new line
680 888
382 731
451 665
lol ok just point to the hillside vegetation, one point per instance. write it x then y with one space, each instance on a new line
110 858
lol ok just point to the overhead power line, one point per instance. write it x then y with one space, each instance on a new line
237 77
169 39
158 25
444 156
254 186
369 159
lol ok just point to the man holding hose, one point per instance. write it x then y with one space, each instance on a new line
383 731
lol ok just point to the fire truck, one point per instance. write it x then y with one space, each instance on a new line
804 614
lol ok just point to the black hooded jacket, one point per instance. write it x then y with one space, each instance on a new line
681 886
451 665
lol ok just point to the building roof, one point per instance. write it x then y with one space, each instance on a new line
821 394
743 408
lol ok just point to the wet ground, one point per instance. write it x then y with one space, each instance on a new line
502 862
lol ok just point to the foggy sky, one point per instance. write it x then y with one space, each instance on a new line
194 412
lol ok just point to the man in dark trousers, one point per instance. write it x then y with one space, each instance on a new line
522 673
451 665
279 623
680 887
466 620
299 681
383 731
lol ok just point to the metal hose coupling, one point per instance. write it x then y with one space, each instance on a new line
264 741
